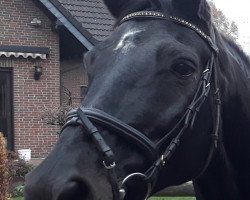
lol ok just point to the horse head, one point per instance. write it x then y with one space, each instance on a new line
149 109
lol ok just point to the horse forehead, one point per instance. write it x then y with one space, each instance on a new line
126 41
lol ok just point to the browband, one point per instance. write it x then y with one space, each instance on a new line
159 15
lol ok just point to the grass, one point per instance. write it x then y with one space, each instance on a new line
17 198
152 198
172 198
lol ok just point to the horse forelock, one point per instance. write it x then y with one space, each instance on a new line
197 12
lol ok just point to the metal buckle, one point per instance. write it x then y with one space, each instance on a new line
111 166
206 70
163 160
208 85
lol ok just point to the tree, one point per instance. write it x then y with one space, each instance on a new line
228 28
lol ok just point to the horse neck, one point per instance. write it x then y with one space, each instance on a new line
234 77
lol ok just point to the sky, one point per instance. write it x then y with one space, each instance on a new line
238 11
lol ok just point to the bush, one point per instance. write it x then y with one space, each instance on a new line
12 172
17 191
18 168
4 173
56 116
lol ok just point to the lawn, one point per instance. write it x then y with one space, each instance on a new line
172 198
152 198
17 198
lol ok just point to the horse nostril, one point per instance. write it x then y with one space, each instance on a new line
74 190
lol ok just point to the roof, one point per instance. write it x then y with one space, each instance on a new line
92 15
88 20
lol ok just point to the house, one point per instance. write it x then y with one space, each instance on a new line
42 43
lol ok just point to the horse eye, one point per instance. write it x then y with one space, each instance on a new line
183 69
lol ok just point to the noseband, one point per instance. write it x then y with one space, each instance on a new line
87 117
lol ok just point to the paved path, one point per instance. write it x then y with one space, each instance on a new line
35 162
185 189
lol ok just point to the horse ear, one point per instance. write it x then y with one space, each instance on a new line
120 8
193 10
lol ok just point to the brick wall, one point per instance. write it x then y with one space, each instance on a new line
30 96
73 76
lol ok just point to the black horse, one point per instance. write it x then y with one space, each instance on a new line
168 102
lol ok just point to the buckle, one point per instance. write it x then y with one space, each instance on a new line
110 166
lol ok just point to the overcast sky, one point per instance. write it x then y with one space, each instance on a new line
238 11
233 8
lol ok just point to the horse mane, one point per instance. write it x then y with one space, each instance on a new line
238 49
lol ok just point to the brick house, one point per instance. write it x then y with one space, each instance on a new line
42 43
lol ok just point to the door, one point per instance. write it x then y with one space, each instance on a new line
6 106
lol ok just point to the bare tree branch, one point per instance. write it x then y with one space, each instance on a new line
228 28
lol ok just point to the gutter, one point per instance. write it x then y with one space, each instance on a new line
64 20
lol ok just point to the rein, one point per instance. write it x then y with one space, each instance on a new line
87 117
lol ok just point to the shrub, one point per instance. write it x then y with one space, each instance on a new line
17 191
18 168
56 116
4 174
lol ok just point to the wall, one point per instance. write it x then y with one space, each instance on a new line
73 76
31 97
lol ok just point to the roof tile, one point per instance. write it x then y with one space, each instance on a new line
92 15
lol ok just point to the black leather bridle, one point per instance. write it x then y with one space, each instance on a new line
89 118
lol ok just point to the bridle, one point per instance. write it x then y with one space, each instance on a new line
90 118
87 117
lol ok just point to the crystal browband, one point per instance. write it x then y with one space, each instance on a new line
159 15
